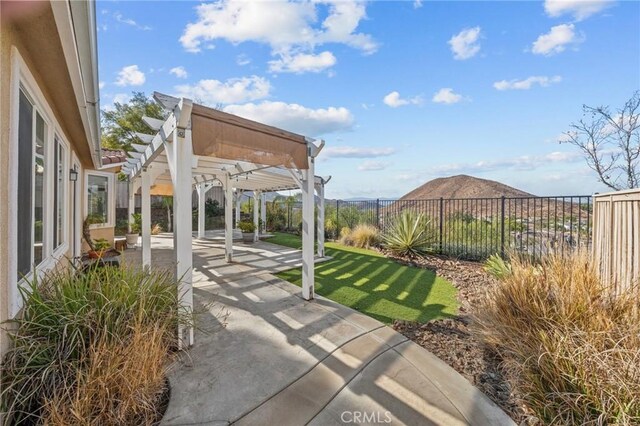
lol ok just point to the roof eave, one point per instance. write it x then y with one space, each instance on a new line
76 23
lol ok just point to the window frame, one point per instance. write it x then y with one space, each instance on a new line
110 198
22 80
64 189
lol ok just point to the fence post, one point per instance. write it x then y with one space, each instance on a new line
378 212
502 227
441 222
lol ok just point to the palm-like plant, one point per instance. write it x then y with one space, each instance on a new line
409 235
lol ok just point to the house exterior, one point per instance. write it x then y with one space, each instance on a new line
51 173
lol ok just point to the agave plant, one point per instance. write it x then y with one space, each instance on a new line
497 267
409 235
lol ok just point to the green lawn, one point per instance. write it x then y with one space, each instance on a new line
379 287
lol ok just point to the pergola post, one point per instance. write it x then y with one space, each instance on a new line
238 203
202 195
228 219
308 204
263 213
320 189
145 190
132 204
180 157
256 216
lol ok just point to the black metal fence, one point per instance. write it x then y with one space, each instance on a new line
467 228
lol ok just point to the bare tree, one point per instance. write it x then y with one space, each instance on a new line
610 142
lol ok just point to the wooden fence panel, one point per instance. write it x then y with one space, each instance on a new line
616 237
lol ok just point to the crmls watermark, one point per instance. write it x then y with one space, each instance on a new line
366 417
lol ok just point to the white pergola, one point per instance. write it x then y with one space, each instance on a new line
201 147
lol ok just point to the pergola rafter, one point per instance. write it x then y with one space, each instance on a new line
201 147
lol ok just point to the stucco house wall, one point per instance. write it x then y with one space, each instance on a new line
31 44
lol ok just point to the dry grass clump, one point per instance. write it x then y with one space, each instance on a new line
345 235
156 229
121 385
362 236
571 347
92 348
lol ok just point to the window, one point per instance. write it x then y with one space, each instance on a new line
38 181
38 189
41 208
59 192
25 179
98 198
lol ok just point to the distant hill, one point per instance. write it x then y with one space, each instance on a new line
463 186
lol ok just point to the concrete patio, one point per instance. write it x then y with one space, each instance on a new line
283 360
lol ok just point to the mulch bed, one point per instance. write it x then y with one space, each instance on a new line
452 341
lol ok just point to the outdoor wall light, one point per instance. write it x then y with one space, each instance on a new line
73 175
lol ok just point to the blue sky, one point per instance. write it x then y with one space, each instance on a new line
402 92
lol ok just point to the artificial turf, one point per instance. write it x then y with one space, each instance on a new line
379 287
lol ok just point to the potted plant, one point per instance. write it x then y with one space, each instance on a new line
135 226
248 229
100 246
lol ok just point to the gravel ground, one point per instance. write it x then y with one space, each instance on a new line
451 340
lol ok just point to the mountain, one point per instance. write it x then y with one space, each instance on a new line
463 186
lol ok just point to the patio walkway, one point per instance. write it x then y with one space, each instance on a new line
284 361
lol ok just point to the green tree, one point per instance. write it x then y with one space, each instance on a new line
120 125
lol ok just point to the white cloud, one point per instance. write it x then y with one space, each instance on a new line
556 40
242 60
101 85
296 118
417 4
179 72
372 165
394 100
121 98
579 9
290 28
128 21
356 152
465 45
303 62
130 76
446 96
234 90
525 162
527 83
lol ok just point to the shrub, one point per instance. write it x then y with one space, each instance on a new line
76 330
156 229
408 234
122 227
212 208
345 236
246 227
330 228
570 346
364 236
